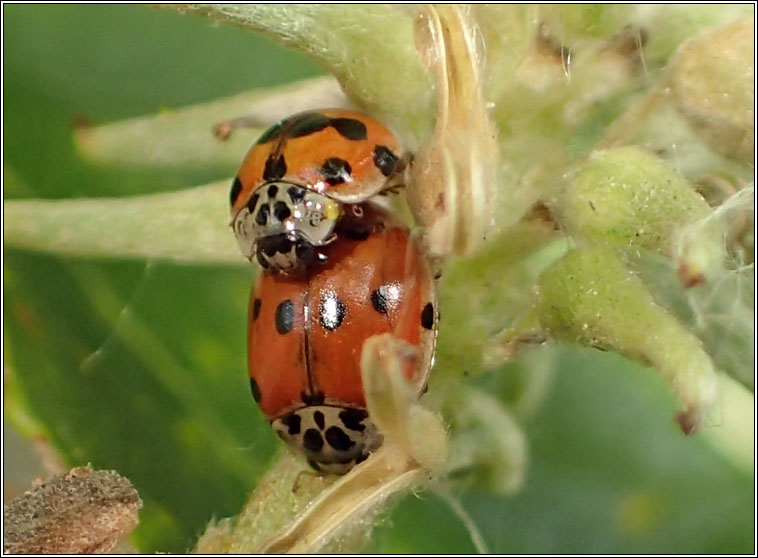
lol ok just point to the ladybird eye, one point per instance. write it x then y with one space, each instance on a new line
304 250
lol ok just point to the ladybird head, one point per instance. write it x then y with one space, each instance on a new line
284 224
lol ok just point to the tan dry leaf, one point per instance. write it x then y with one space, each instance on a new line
81 512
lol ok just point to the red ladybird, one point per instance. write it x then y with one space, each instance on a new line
295 182
306 334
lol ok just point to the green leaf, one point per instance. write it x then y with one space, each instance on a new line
182 138
188 226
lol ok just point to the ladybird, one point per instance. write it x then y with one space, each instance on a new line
302 176
306 335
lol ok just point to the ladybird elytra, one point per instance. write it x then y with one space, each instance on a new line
306 335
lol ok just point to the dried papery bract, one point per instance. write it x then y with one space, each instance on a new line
411 431
415 446
453 173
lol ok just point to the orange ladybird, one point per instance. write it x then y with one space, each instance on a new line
301 178
306 335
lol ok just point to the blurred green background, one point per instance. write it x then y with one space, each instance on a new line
140 366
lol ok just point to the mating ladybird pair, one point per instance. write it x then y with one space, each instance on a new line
338 269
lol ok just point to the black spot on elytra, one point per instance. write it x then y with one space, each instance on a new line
353 419
337 438
331 310
285 316
307 124
427 316
252 202
272 133
385 160
275 168
349 128
262 216
315 399
336 170
296 194
272 191
256 308
292 422
318 418
235 191
379 301
255 389
312 440
281 211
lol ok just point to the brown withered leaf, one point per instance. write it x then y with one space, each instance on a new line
81 512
